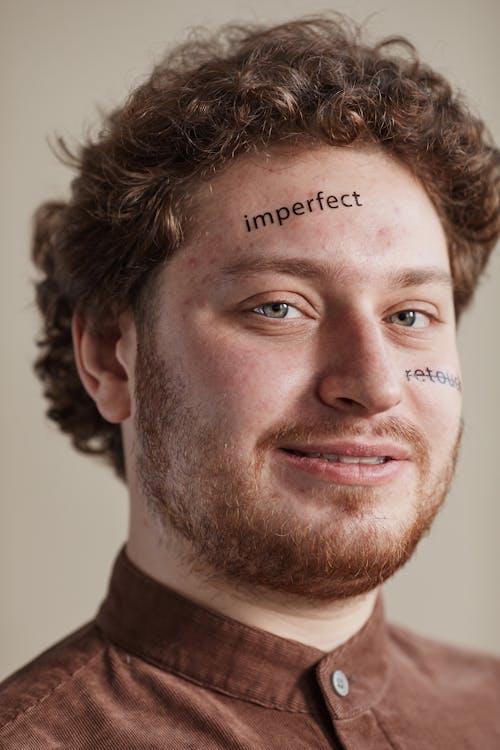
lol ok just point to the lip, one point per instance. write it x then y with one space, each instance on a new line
364 475
350 448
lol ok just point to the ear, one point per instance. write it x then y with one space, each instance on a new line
106 365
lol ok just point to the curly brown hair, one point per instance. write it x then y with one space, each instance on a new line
215 97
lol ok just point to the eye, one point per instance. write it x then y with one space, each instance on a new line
277 310
410 319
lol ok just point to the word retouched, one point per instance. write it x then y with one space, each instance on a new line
299 208
434 376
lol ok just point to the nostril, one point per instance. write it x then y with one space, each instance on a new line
346 401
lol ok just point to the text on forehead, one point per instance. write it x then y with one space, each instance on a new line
299 208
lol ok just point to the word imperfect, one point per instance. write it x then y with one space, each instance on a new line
434 376
299 208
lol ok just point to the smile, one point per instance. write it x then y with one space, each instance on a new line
348 462
336 458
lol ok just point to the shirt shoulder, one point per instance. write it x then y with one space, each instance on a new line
50 674
432 654
453 675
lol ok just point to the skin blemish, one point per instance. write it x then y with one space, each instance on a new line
318 203
190 262
439 377
385 233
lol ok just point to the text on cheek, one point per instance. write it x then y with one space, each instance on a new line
434 376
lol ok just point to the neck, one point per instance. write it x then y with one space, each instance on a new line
323 625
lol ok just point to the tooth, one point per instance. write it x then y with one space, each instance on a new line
360 460
357 460
333 457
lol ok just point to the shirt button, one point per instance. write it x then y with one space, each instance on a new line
340 683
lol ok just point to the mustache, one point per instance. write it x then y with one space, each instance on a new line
398 430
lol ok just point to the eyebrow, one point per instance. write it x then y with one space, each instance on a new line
418 276
403 277
250 265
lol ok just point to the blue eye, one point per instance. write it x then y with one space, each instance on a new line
410 319
277 310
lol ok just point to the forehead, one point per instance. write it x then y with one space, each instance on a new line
353 208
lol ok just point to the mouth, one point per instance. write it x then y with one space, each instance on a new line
342 459
347 463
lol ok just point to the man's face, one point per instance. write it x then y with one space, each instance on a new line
297 404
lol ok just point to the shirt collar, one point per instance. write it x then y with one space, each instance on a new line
149 620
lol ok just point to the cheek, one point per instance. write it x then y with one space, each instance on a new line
436 404
249 385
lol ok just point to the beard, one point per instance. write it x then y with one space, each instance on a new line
335 542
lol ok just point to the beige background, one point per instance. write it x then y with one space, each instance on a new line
63 516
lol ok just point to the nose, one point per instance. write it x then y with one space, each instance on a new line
360 375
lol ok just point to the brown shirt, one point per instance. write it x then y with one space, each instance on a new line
154 670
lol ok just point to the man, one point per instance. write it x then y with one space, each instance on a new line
250 307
